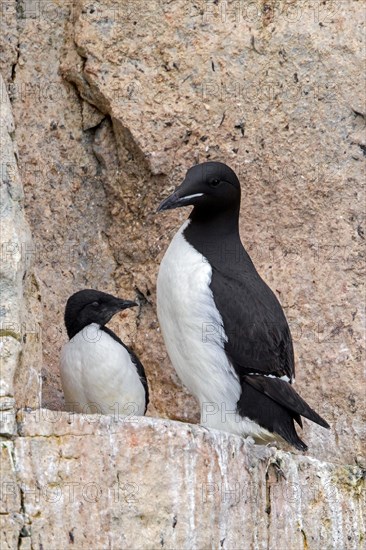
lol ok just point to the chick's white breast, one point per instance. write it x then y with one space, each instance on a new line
98 375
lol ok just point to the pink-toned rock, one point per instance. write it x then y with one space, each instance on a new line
16 308
112 103
269 90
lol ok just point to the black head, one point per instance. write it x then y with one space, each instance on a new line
91 306
210 187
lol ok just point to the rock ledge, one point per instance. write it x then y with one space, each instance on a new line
96 482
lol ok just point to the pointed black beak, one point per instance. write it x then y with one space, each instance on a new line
171 202
125 304
176 200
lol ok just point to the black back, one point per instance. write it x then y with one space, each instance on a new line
139 367
259 339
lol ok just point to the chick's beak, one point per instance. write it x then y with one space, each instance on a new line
125 304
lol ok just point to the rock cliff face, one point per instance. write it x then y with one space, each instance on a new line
151 483
112 102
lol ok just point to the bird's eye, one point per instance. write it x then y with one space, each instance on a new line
215 183
95 304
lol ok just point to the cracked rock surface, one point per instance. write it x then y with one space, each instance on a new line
151 483
110 103
20 350
113 104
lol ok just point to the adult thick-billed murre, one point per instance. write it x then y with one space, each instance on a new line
99 373
224 329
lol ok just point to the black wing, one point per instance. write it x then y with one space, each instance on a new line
285 395
259 339
259 343
140 369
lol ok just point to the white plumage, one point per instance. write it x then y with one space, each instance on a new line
194 336
98 376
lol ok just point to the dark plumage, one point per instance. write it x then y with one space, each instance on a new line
98 371
256 336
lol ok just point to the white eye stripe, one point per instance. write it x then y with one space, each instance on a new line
193 196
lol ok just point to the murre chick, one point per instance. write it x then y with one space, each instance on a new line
224 329
99 373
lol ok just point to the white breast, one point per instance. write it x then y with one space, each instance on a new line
192 326
98 376
194 336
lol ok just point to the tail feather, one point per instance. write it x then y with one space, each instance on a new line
284 394
270 415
